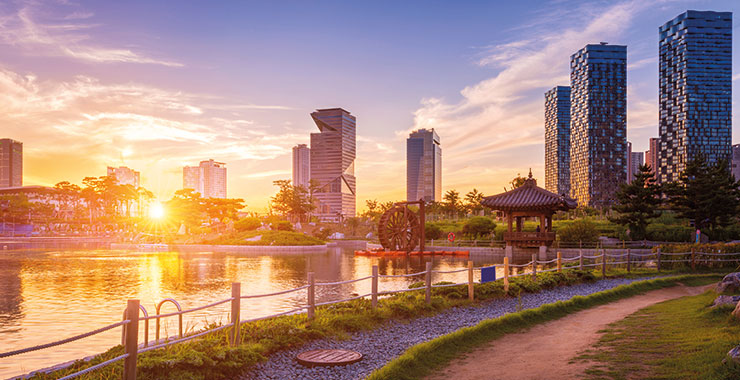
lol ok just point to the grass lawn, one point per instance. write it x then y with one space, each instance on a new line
676 339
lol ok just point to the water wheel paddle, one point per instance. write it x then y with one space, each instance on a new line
399 229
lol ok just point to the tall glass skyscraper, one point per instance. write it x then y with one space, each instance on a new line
333 153
423 166
695 92
11 163
598 116
301 165
557 140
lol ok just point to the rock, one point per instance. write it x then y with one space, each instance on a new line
730 283
736 312
725 300
733 356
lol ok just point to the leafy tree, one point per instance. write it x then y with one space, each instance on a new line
352 223
248 224
479 226
517 181
292 201
452 202
472 201
432 231
638 203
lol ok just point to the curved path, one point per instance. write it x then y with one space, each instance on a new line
545 351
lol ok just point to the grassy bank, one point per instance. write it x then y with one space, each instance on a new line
423 358
676 339
266 238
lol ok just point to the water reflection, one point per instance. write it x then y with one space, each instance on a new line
48 295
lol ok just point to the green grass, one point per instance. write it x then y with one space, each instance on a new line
267 238
422 359
676 339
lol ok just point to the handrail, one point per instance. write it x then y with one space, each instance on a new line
93 368
63 341
277 293
158 316
342 282
146 326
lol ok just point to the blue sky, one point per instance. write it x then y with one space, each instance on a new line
157 85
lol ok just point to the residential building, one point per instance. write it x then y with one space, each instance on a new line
125 175
695 88
11 163
652 155
423 166
208 179
557 140
735 164
633 166
598 115
333 152
301 165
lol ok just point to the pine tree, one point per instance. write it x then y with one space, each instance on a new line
638 202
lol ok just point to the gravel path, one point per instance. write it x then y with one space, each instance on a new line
382 344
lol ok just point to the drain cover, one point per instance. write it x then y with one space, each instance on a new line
328 357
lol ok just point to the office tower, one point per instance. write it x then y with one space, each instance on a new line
301 165
635 161
333 163
735 164
695 80
423 166
598 127
208 179
11 163
557 140
652 155
628 158
124 175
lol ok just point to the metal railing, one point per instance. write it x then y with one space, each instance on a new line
131 318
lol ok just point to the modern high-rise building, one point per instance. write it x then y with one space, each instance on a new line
598 123
333 153
695 88
633 165
423 166
301 165
11 163
125 175
652 155
557 140
735 164
208 179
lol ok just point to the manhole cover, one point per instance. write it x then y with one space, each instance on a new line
328 357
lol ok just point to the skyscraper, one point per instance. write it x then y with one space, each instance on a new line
633 165
735 164
423 166
695 81
333 153
652 156
301 165
598 114
11 163
125 175
208 179
557 140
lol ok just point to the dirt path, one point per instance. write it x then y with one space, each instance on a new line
543 352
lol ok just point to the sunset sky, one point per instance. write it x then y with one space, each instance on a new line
156 85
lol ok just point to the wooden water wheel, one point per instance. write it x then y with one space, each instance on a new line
399 229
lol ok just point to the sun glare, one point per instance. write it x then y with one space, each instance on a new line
156 211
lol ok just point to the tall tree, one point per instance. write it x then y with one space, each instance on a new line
637 203
472 201
452 202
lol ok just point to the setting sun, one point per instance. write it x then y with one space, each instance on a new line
156 211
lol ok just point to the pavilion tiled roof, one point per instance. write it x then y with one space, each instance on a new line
529 197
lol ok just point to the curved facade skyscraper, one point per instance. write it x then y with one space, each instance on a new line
423 166
333 153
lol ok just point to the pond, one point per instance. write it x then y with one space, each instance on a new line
46 295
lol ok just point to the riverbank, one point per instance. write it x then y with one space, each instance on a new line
246 249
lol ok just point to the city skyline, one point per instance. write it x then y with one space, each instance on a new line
100 93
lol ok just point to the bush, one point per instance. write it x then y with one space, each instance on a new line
663 232
580 230
322 233
247 224
282 225
479 226
271 238
432 231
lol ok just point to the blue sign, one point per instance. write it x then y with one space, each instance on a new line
487 274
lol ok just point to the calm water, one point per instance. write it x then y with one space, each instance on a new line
50 295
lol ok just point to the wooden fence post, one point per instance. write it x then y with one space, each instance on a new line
693 263
534 266
375 287
236 295
629 260
428 281
506 274
580 259
311 296
658 259
560 262
471 288
132 340
603 262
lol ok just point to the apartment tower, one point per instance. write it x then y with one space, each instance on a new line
423 166
125 175
208 179
301 165
598 114
695 88
333 152
11 163
557 140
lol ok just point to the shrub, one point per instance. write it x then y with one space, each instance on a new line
479 226
282 225
247 224
322 233
432 231
579 230
663 232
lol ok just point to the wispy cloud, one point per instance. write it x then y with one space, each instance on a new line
67 36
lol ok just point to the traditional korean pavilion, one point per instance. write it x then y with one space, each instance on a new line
529 200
